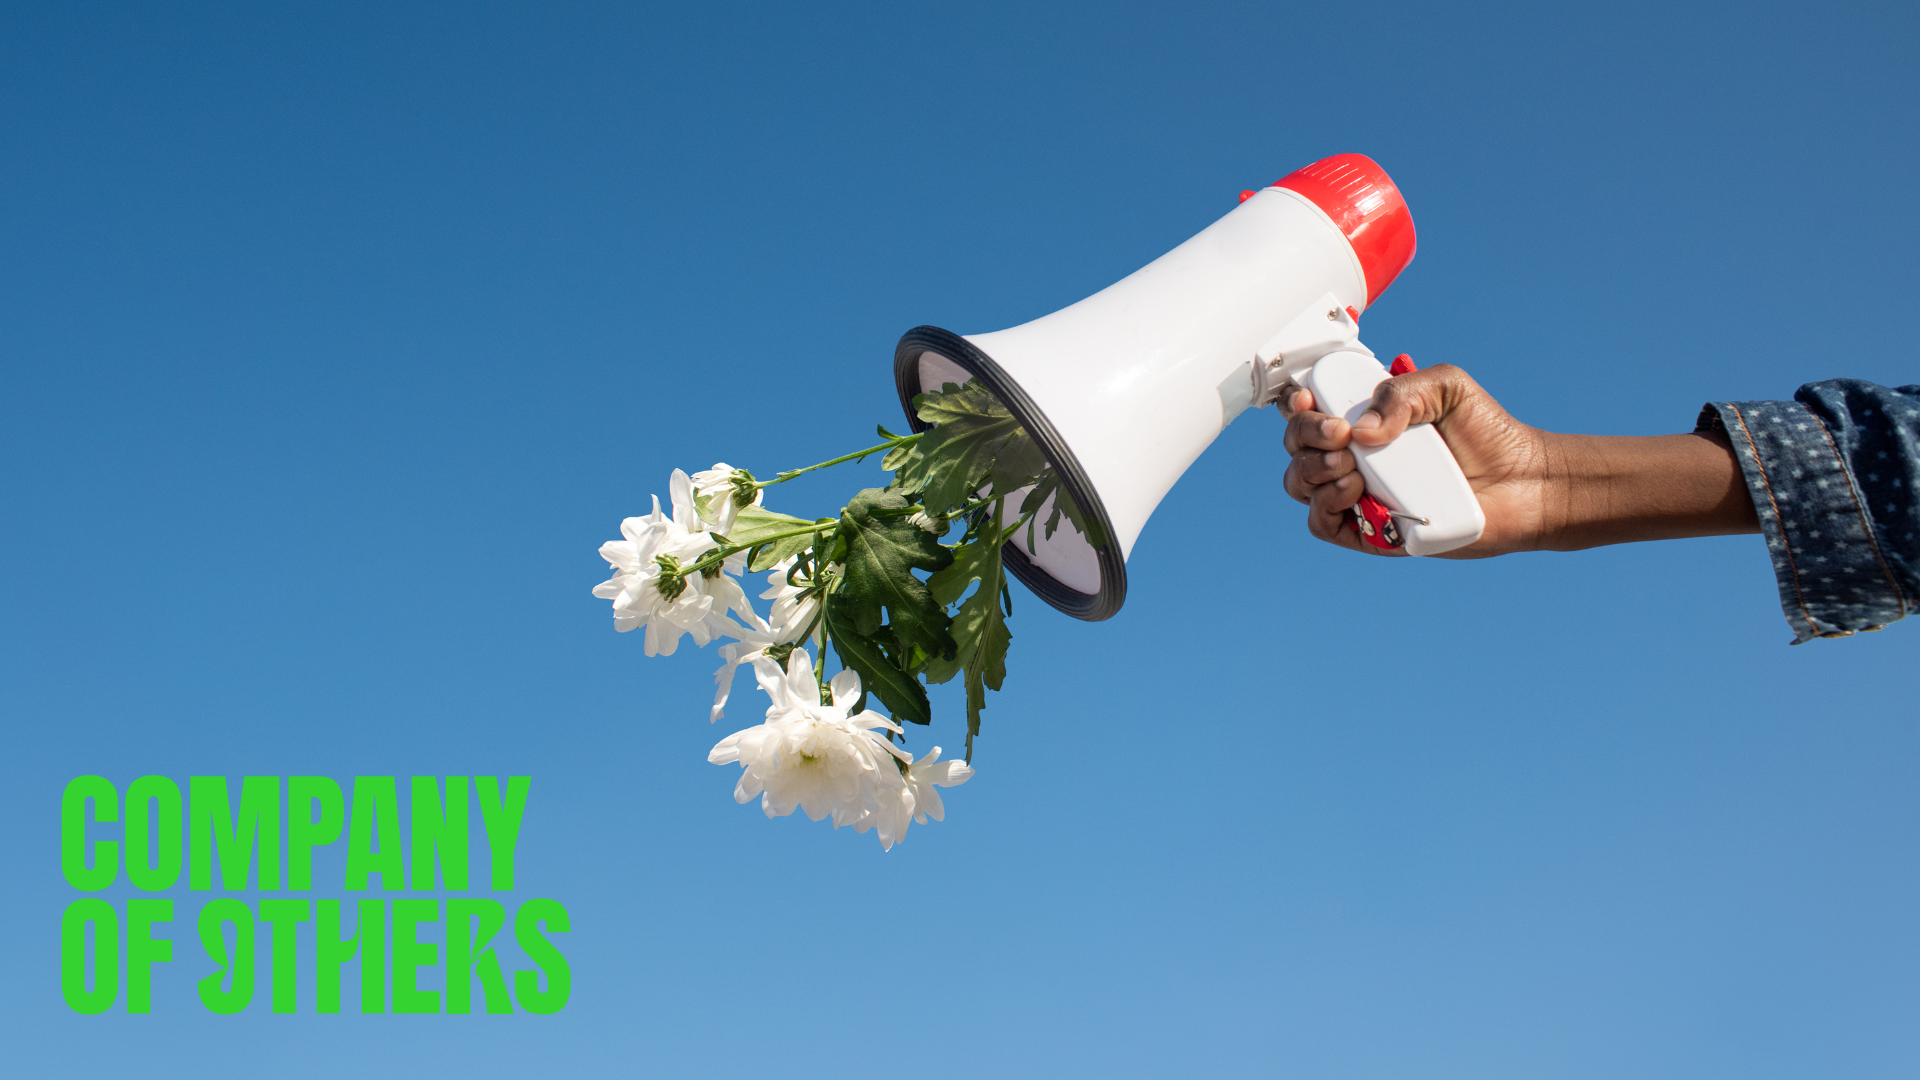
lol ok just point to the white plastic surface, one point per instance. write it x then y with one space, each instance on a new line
1414 474
1140 377
1324 327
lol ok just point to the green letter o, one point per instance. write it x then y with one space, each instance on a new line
73 955
156 869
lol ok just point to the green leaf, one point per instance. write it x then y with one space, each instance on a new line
902 457
976 559
900 453
881 554
768 556
979 627
880 676
753 523
1063 506
975 442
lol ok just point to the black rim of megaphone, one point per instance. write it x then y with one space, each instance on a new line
1113 569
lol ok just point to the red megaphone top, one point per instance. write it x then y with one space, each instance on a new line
1366 206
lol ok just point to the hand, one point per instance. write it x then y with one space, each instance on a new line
1538 489
1505 461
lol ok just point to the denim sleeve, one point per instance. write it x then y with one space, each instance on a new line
1832 474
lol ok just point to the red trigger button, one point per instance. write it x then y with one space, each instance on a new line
1352 314
1374 522
1245 195
1401 365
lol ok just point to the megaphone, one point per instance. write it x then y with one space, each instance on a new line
1124 389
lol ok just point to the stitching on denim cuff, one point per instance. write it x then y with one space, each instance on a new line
1780 525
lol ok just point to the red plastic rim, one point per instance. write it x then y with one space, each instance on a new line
1362 200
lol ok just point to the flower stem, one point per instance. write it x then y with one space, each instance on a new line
720 554
902 440
820 667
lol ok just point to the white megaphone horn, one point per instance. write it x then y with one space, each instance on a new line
1124 389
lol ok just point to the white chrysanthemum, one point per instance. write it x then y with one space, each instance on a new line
936 526
728 596
916 800
795 606
927 774
647 590
715 487
638 577
752 645
814 757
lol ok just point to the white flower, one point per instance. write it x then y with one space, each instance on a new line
820 759
815 757
648 590
794 605
936 526
729 596
925 775
753 644
917 800
794 609
716 487
640 572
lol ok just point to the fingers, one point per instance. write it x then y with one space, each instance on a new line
1334 499
1294 401
1327 511
1418 397
1330 516
1309 469
1317 445
1316 431
1328 484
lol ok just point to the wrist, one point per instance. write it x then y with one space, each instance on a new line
1565 491
1615 490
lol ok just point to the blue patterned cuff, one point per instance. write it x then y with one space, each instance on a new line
1834 578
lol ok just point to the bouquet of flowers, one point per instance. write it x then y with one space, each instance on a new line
851 583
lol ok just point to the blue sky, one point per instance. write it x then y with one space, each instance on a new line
334 339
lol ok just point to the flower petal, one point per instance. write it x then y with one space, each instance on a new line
845 688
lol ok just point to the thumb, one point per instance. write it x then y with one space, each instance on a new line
1418 397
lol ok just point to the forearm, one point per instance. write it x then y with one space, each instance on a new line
1831 479
1618 490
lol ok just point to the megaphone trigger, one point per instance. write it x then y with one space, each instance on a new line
1374 522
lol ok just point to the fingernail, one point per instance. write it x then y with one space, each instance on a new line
1326 428
1367 421
1331 458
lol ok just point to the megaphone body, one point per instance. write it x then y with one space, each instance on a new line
1124 389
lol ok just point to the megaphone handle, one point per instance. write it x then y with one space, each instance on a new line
1414 486
1370 517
